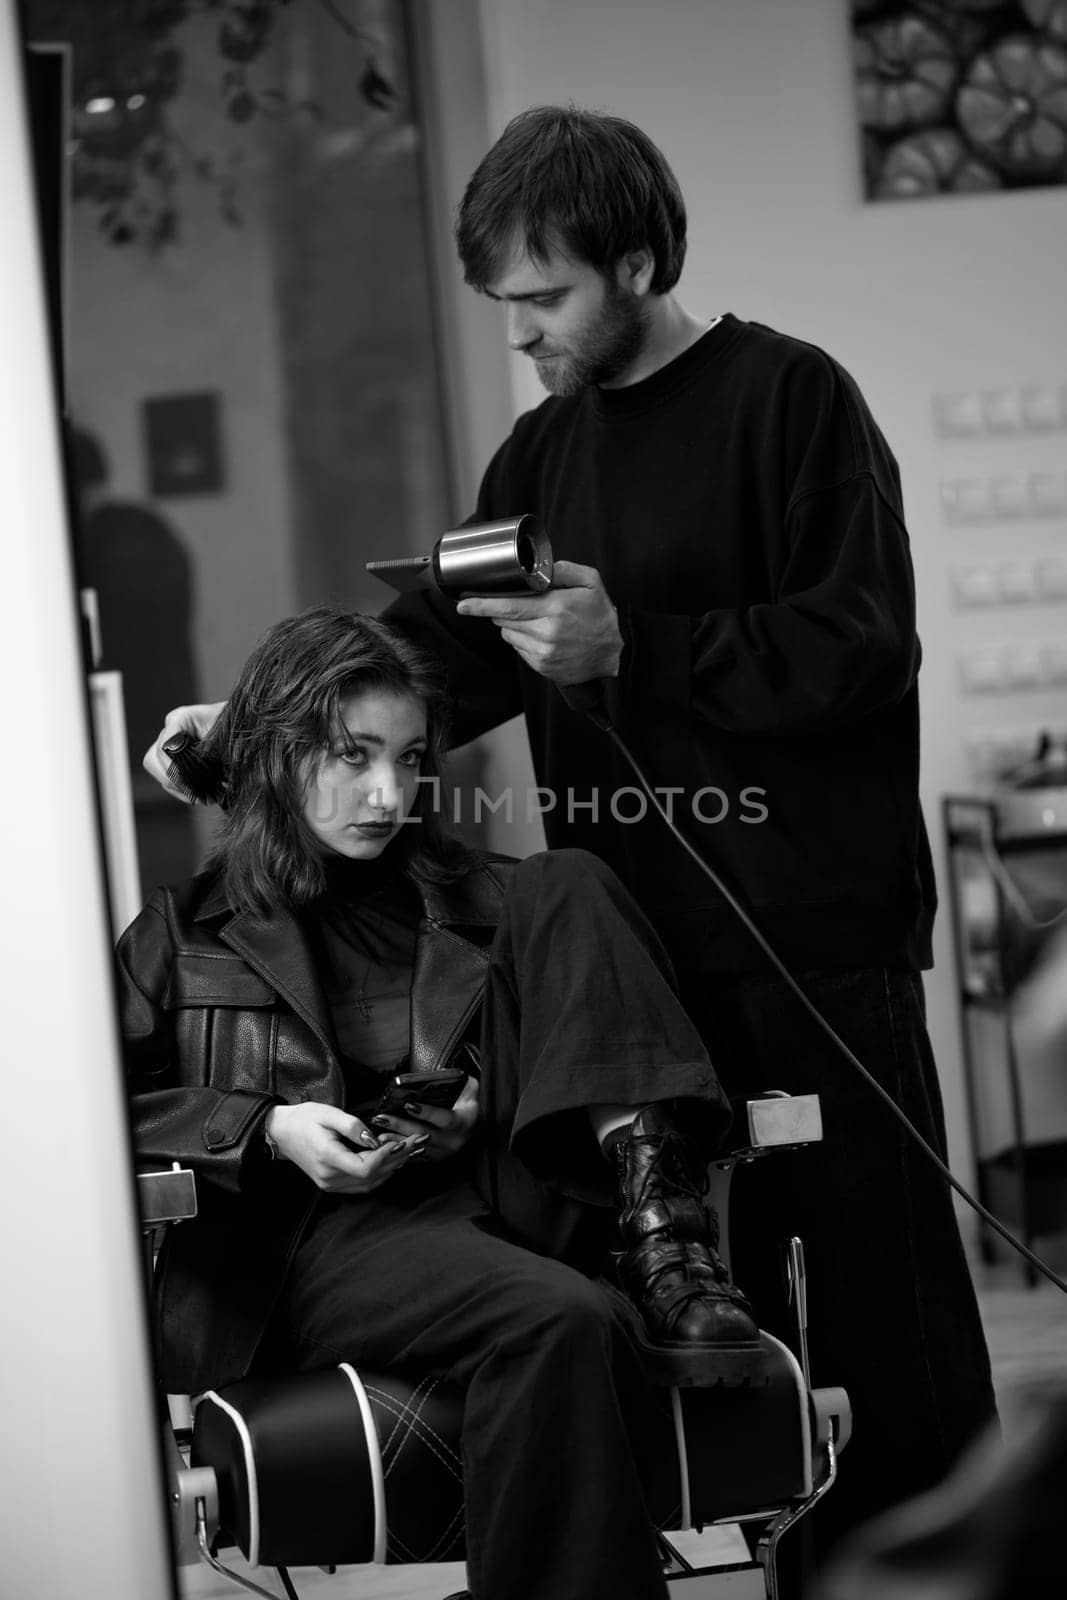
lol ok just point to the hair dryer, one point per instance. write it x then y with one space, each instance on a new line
483 558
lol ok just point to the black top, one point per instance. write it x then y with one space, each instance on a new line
363 934
745 514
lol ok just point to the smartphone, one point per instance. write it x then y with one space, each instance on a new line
440 1089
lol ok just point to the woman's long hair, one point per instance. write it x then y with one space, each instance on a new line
282 717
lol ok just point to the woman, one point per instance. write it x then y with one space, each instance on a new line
339 934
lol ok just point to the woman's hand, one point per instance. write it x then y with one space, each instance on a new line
197 720
337 1151
448 1131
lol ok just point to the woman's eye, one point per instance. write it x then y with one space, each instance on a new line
412 758
353 758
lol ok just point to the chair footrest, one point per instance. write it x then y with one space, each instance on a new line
738 1449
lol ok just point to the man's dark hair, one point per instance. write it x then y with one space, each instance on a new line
585 182
283 715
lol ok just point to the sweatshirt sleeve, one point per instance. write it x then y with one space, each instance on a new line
210 1130
483 678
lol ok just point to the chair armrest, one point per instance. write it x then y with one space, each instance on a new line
776 1121
168 1196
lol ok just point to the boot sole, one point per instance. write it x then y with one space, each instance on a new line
706 1366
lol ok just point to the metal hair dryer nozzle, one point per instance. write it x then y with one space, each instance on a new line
484 558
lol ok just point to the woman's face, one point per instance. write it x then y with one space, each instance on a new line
358 797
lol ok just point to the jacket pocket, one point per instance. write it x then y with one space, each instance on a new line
225 1017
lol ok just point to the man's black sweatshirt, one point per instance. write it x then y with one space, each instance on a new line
744 513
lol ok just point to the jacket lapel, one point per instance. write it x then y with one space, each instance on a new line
451 963
445 991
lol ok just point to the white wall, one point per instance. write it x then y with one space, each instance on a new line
751 100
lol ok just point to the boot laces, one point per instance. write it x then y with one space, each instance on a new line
669 1168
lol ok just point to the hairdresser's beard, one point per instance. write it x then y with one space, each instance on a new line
602 350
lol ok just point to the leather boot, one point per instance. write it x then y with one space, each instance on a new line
671 1268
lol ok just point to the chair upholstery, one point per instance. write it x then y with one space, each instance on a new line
335 1468
330 1468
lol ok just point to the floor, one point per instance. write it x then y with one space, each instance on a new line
1027 1333
1026 1327
717 1546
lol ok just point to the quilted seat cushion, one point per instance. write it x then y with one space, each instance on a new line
334 1467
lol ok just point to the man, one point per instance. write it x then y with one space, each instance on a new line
733 567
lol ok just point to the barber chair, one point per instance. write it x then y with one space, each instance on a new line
337 1468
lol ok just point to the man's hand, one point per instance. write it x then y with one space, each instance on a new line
198 720
447 1131
337 1151
569 634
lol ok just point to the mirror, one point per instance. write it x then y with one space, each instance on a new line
252 376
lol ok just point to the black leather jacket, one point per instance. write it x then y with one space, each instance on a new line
222 1017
